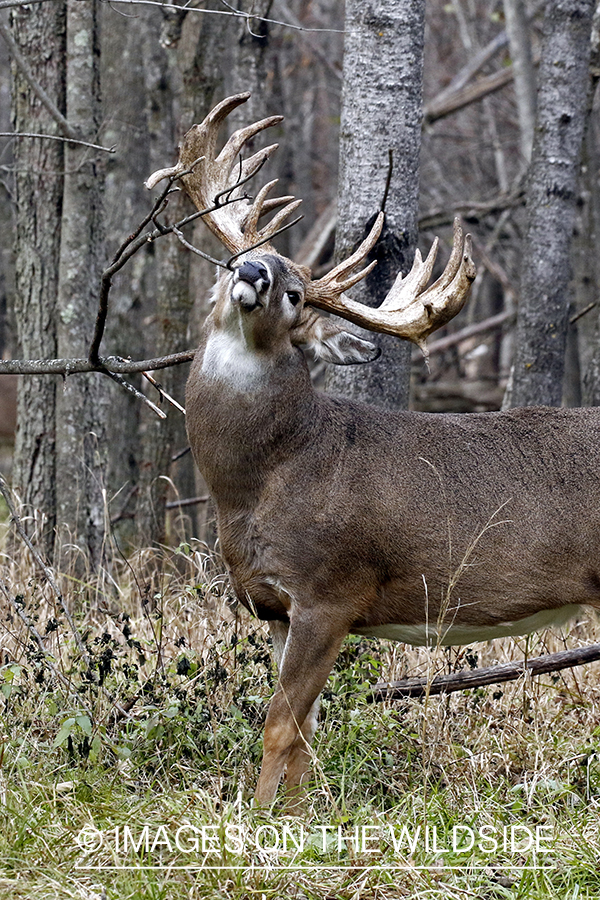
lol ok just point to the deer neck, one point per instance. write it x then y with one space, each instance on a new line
247 412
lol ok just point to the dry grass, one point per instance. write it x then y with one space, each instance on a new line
165 732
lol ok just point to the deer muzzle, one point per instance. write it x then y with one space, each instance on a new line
250 280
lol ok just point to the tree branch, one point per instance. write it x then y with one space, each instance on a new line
446 104
462 681
105 364
56 137
451 340
35 86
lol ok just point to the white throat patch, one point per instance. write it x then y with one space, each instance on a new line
227 358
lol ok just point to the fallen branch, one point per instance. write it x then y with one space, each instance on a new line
451 340
462 681
443 106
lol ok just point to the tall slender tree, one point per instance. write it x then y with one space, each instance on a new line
538 367
380 139
39 32
80 419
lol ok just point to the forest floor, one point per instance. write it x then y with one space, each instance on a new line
127 764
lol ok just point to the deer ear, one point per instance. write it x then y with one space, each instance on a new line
330 342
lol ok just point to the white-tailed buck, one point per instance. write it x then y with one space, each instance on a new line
337 517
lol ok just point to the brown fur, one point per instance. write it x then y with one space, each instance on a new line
335 515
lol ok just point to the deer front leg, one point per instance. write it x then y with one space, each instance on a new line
298 762
310 651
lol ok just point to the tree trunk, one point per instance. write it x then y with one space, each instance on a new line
517 28
382 109
193 77
126 203
542 322
80 446
587 263
40 33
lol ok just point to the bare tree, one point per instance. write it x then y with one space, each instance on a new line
80 445
380 137
39 33
551 198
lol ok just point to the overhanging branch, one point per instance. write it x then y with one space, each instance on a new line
105 364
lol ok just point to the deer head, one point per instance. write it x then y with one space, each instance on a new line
215 183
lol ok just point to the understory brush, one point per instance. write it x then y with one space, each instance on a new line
131 716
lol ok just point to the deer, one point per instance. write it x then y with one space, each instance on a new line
337 517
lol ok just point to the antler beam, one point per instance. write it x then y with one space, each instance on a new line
411 310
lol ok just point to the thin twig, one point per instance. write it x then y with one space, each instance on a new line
163 393
35 86
462 681
132 390
223 12
133 242
191 247
583 312
264 240
56 137
187 501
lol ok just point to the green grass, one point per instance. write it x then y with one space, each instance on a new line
154 745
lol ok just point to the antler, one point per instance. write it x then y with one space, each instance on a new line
217 181
411 310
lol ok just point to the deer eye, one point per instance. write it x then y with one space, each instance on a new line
294 297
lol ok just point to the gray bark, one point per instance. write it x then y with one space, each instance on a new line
80 445
193 78
382 110
551 199
517 28
586 257
126 203
40 33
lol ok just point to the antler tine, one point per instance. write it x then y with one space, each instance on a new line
215 119
334 283
275 203
212 181
258 208
456 256
404 289
228 155
408 311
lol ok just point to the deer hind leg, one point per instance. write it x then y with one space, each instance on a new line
309 653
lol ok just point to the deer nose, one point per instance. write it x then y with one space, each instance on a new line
253 272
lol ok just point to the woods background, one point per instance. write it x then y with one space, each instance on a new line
453 89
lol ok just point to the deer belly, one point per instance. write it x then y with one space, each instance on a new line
428 634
